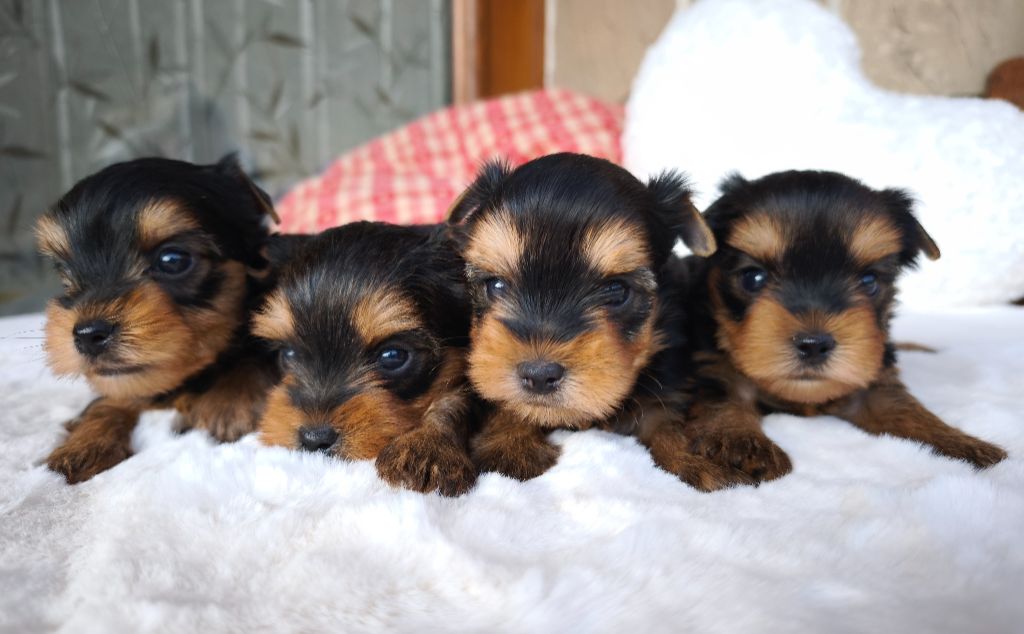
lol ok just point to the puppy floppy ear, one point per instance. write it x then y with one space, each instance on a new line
915 239
262 199
229 166
282 248
675 209
484 189
442 285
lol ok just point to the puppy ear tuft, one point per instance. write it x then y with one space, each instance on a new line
282 248
230 166
916 239
731 183
675 208
51 239
486 186
262 199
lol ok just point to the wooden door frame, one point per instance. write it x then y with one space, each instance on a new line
497 47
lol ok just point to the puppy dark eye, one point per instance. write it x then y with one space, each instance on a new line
615 293
173 262
753 279
393 359
870 283
287 357
496 287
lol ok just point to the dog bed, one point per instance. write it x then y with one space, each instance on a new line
867 534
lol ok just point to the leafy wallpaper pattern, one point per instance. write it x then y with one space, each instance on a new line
289 84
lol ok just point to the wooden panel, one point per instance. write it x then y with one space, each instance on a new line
511 46
465 51
498 47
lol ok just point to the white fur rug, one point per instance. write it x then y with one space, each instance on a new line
867 535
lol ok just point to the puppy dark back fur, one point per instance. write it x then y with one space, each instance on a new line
161 263
371 323
568 265
795 315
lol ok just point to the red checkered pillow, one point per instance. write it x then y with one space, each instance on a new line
413 174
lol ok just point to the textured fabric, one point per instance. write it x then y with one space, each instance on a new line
867 534
762 86
412 175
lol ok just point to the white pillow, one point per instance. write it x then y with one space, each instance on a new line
759 86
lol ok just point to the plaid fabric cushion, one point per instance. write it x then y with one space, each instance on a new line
413 174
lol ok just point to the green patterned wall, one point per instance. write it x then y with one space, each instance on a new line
288 83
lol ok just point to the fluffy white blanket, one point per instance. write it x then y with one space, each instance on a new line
867 535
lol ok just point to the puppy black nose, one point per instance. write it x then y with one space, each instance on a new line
317 437
92 338
814 348
541 377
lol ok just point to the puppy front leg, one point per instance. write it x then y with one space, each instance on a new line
729 433
232 406
433 456
98 439
664 437
513 447
888 408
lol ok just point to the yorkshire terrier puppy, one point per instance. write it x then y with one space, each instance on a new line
371 322
575 319
795 314
161 263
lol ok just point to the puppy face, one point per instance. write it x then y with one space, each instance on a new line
153 256
803 284
370 323
563 257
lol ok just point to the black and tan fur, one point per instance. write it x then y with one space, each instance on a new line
575 319
161 262
796 306
370 321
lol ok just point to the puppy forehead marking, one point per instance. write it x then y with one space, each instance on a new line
384 312
758 235
616 247
162 219
874 238
52 238
496 245
274 321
